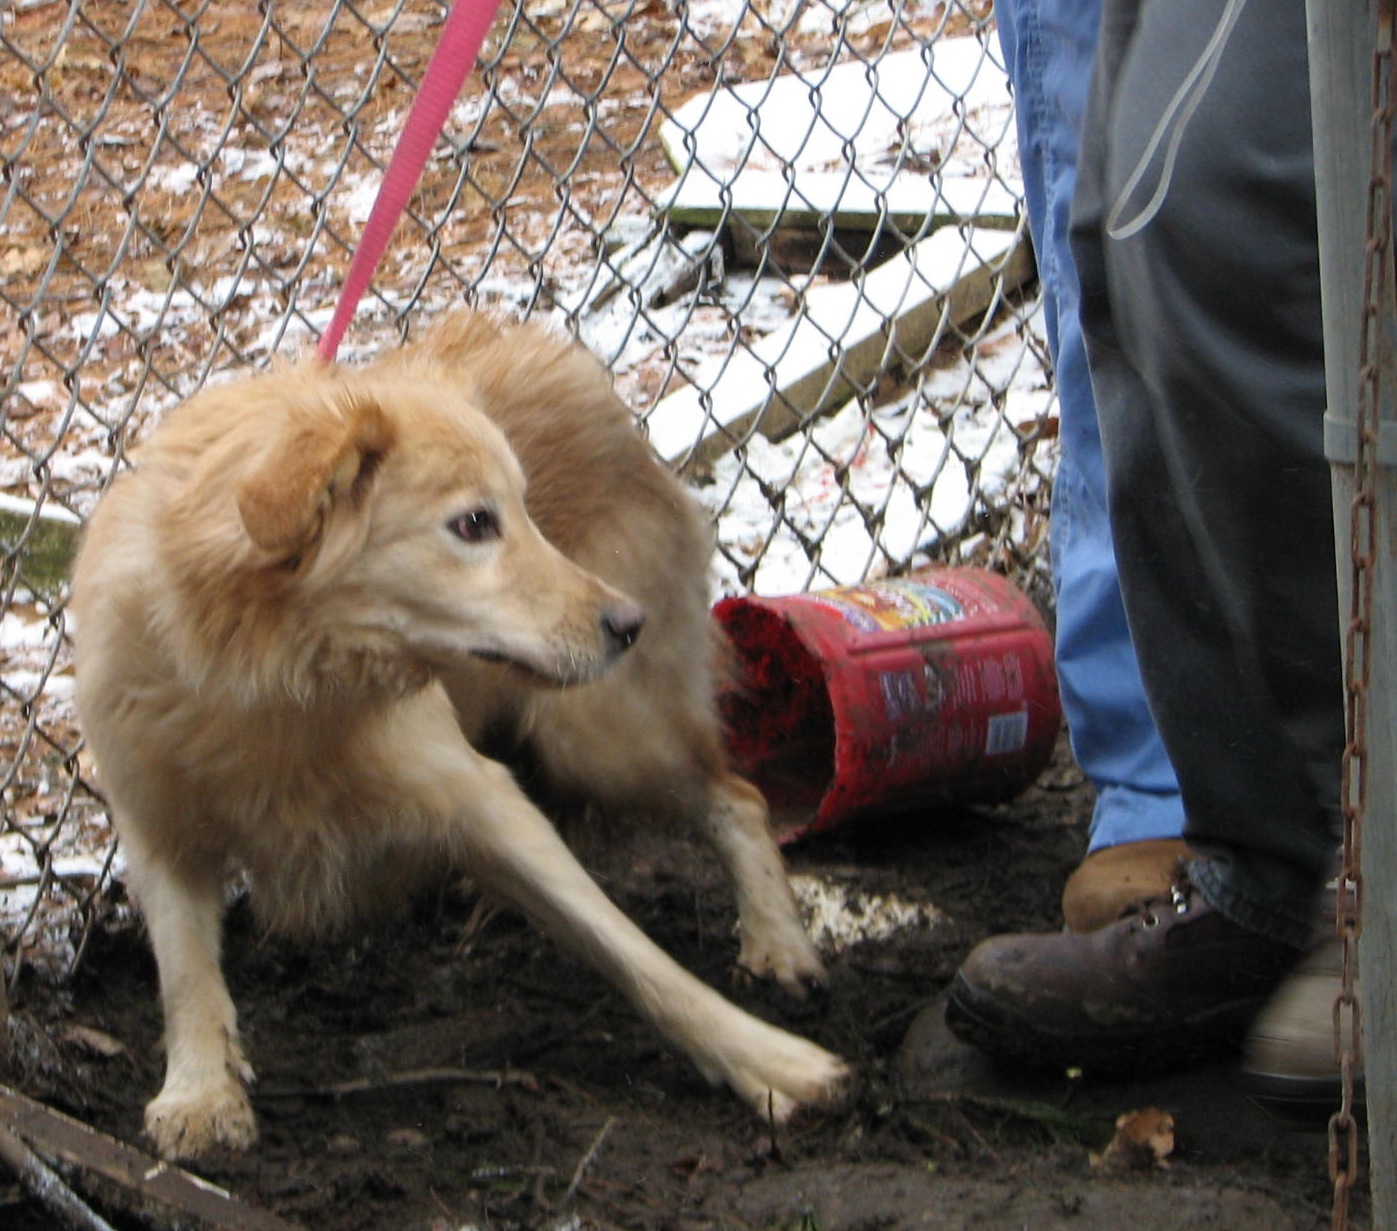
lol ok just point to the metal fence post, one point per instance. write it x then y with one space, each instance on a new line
1342 42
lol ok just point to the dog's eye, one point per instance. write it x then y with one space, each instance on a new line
477 526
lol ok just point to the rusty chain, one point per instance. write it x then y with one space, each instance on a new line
1344 1130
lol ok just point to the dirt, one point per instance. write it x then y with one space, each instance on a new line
565 1112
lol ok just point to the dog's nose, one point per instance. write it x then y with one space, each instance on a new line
622 624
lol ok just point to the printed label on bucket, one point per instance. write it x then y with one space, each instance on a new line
889 605
1007 733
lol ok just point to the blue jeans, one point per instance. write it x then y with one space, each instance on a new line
1049 46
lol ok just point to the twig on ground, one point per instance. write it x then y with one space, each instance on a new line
587 1160
410 1077
945 1140
974 1132
775 1154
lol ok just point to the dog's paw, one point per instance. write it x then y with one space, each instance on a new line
787 958
802 1077
187 1122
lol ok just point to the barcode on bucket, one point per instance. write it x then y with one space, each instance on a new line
1007 733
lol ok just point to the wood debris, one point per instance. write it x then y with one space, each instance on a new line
56 1157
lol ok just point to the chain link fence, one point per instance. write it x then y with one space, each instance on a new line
790 227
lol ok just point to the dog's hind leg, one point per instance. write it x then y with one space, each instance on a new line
204 1100
775 944
512 850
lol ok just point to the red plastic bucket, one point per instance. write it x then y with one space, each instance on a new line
889 696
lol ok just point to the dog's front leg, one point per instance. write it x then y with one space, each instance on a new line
514 851
204 1101
775 944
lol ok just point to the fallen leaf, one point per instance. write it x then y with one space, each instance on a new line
1144 1140
22 261
97 1042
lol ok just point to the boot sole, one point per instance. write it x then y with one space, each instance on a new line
1304 1100
1105 1053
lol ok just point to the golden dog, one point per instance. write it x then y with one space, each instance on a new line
302 613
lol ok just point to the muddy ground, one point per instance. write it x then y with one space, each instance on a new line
945 1142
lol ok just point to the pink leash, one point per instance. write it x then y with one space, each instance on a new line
461 37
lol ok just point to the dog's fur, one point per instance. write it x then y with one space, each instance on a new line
302 613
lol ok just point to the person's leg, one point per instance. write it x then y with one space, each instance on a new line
1134 840
1203 328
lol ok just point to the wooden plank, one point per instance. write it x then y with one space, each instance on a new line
764 199
46 541
900 144
911 103
46 1186
133 1179
846 335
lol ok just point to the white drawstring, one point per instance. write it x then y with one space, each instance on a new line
1185 102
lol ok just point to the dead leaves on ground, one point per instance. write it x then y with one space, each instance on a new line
1144 1141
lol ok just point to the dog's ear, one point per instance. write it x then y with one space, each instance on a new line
316 463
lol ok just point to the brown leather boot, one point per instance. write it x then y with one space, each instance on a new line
1166 985
1112 878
